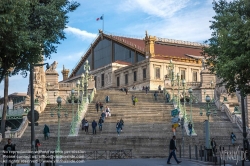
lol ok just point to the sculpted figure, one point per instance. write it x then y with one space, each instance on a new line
52 66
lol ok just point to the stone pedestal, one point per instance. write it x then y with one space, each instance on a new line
206 87
53 87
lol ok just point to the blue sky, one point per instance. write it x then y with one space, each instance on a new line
174 19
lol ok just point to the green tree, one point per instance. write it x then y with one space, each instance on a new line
29 29
228 54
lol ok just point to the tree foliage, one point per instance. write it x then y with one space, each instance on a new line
29 29
228 54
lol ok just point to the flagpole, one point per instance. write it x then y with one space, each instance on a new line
103 22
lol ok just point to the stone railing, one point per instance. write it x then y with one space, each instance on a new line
233 118
92 95
19 132
193 84
12 113
82 111
66 85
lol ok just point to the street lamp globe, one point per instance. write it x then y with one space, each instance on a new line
190 90
59 100
82 76
78 83
72 91
183 82
171 60
48 84
208 99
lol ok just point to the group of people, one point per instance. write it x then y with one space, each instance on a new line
124 89
105 113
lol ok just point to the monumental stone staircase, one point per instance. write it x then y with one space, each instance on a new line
147 127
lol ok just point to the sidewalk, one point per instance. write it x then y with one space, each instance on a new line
131 162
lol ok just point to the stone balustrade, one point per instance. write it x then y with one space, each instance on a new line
233 118
12 113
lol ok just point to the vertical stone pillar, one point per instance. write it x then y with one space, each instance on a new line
52 79
206 78
65 73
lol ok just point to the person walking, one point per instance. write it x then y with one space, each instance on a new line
122 123
94 124
233 138
107 99
172 148
146 89
135 100
126 90
118 127
167 97
46 132
107 110
97 105
86 127
155 95
173 129
190 128
8 151
213 145
37 144
101 106
159 89
100 123
83 123
103 115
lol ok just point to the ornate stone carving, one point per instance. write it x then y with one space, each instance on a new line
52 67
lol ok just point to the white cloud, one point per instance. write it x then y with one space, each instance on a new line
84 35
159 8
189 25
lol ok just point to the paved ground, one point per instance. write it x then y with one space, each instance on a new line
141 162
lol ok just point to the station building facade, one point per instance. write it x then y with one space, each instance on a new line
117 61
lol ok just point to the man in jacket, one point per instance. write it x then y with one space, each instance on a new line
8 152
94 124
100 123
172 148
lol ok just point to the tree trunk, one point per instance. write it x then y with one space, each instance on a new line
6 86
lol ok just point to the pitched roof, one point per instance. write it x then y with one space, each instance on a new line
122 62
163 48
168 48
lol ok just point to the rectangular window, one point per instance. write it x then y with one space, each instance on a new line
135 76
183 74
126 79
118 81
144 73
102 80
195 76
157 73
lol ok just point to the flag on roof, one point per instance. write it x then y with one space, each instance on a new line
99 18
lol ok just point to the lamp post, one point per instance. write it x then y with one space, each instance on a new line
32 109
58 111
86 69
82 85
78 92
178 98
207 108
184 104
191 97
171 75
72 130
